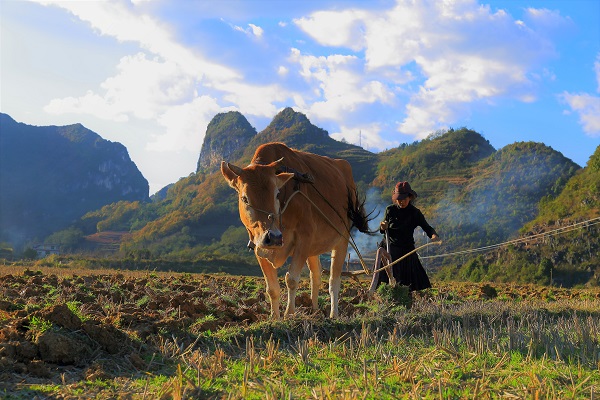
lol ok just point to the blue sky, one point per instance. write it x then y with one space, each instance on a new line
152 74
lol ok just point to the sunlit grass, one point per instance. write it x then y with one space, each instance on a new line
444 343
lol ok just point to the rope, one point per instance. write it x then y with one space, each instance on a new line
362 263
350 238
438 242
558 231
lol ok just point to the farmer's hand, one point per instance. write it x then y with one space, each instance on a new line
383 225
435 238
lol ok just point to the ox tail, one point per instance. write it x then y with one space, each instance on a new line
357 213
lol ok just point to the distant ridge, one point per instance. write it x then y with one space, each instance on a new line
52 175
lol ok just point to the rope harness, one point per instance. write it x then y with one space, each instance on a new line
271 216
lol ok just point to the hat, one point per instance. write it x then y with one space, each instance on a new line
402 191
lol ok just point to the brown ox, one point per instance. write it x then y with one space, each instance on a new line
282 223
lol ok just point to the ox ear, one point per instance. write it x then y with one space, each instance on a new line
283 178
231 173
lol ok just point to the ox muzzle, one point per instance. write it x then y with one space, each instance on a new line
270 238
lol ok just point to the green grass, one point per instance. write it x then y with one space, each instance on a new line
378 361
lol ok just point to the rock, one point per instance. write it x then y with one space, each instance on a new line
226 134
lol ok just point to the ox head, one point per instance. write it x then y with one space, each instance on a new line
258 187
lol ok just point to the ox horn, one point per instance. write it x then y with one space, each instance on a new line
277 162
233 168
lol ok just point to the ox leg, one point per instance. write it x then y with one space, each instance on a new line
273 289
292 277
335 277
314 265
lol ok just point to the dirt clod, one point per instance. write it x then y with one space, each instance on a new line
59 348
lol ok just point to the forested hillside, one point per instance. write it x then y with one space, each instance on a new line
50 176
502 194
564 239
439 164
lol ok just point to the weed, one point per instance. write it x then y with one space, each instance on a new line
143 301
397 295
29 307
39 325
549 296
75 308
489 291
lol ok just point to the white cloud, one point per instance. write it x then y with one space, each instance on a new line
251 31
145 86
339 84
253 99
89 103
587 106
367 136
453 84
335 28
185 125
256 30
548 20
461 52
113 18
142 88
283 70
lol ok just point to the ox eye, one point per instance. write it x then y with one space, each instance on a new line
244 199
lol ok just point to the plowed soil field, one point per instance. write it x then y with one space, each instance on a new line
59 326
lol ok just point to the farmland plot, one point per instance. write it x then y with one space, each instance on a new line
103 334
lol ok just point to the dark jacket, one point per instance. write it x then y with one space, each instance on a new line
402 223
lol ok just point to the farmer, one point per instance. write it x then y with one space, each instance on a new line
400 220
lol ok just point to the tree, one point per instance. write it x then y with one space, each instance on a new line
29 254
